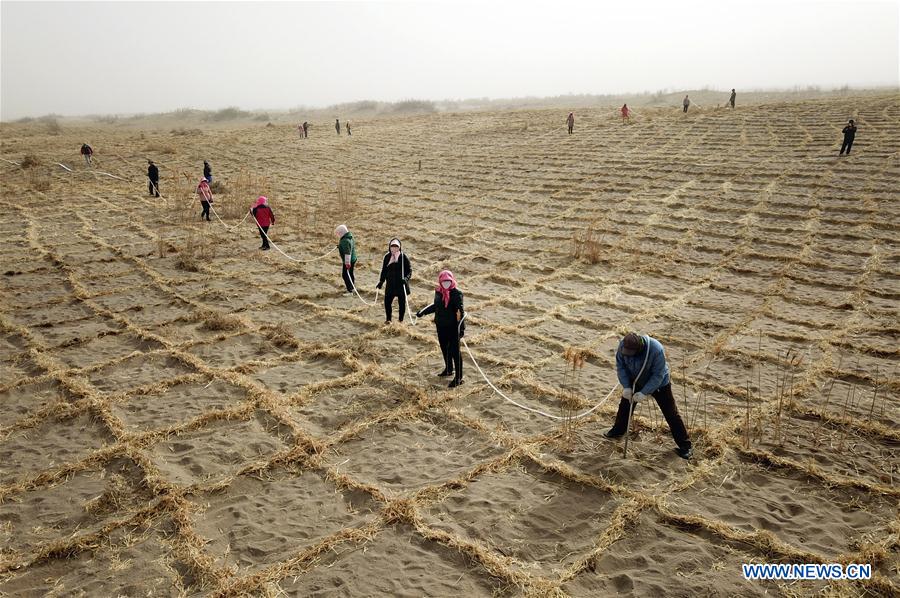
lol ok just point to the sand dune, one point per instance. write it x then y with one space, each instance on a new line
181 413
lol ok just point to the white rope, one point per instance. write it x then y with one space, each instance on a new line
64 166
631 400
409 307
222 222
375 302
277 248
526 407
155 186
10 161
115 177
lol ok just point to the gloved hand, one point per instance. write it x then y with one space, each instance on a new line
638 397
378 286
627 393
347 266
462 331
419 314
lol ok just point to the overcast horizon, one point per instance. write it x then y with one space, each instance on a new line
80 58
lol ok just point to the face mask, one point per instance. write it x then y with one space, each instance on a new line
395 250
446 284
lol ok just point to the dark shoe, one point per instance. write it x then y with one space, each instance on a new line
455 382
266 248
684 453
610 436
388 321
446 373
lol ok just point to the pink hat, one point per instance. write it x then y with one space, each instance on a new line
445 293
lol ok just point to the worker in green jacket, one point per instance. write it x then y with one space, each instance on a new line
347 249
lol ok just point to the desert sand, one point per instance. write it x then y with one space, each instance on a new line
181 413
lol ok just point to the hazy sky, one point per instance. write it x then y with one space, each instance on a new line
124 57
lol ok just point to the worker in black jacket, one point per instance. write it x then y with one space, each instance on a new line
153 175
207 172
396 272
448 318
849 135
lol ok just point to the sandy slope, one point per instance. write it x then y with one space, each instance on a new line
180 412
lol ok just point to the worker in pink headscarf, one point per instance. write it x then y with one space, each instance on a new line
626 112
206 198
448 311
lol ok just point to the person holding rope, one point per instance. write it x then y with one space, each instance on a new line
642 371
265 218
849 135
396 271
732 98
347 249
87 153
206 198
448 311
153 175
686 103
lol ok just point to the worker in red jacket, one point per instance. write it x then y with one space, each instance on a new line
265 218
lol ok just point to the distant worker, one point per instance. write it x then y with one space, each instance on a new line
849 135
153 175
347 249
87 153
448 311
206 198
347 124
300 130
570 121
642 371
686 103
305 129
207 172
626 112
732 98
396 271
337 126
265 218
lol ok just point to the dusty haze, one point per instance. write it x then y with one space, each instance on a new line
96 58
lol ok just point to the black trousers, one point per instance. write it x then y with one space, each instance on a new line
570 129
347 275
389 294
848 143
153 188
685 108
263 234
448 337
666 402
205 212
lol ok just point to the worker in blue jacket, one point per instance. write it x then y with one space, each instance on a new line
642 371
